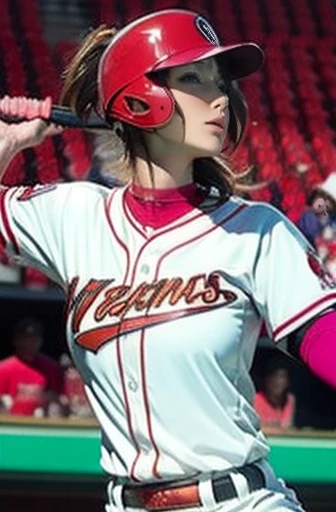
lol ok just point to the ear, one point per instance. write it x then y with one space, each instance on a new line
136 105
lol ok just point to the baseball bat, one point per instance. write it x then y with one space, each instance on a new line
18 109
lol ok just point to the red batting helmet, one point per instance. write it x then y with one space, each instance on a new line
155 42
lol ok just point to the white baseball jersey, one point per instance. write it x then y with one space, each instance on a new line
163 324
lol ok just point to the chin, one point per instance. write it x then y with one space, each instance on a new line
209 152
210 149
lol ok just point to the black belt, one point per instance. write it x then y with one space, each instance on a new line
175 495
224 489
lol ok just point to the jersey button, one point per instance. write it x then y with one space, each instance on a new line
145 268
133 386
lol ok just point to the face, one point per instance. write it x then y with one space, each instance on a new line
321 206
277 382
200 123
27 345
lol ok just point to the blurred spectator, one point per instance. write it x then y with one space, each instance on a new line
327 250
273 402
30 382
33 278
319 219
74 398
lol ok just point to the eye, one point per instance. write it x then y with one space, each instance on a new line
190 78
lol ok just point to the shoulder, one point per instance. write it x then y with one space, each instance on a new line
308 216
83 192
79 191
69 202
259 399
85 196
85 188
8 363
255 215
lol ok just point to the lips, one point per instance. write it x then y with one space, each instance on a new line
219 122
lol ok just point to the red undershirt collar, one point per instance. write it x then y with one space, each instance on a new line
158 207
189 192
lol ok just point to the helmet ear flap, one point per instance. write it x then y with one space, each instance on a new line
143 103
136 105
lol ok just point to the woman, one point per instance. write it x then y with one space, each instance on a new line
319 217
169 278
274 402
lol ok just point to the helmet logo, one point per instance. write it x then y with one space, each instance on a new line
206 30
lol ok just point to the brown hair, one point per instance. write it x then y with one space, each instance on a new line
80 93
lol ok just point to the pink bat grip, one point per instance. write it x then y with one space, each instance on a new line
25 108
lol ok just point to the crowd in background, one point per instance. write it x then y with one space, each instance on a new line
35 384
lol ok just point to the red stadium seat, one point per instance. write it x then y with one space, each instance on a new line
292 99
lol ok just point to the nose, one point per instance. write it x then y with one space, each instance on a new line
221 102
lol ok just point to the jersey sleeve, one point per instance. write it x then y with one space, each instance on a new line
289 283
35 225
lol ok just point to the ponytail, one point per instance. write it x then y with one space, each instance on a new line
80 86
80 94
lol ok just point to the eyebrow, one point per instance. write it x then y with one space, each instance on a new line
204 65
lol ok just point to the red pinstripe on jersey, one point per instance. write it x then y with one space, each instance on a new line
126 402
240 208
2 242
147 407
3 210
121 243
200 235
147 410
118 346
161 233
130 218
277 332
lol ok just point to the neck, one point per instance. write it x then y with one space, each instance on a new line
167 172
26 358
277 400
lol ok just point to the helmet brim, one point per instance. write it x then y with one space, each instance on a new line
239 60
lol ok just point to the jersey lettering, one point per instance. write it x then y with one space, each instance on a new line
102 300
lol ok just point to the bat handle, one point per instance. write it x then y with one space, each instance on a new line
15 110
65 117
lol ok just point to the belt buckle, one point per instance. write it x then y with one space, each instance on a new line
159 498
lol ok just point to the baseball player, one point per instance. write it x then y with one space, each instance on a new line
169 277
